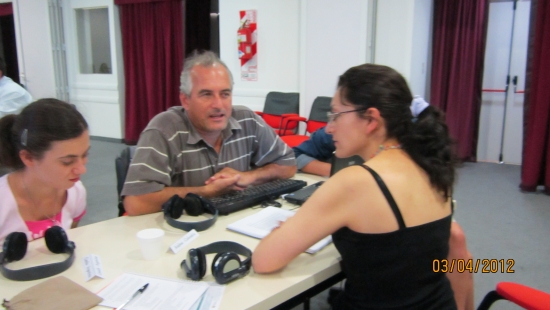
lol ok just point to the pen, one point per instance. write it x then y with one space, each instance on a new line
140 291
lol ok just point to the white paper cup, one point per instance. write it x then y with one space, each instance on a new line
150 241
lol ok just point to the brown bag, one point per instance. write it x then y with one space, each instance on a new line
52 294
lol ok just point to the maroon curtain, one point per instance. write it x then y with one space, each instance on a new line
535 169
460 29
7 37
152 42
6 9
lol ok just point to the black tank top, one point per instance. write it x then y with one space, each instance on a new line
395 270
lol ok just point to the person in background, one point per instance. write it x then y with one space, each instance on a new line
207 146
46 146
313 155
13 97
389 218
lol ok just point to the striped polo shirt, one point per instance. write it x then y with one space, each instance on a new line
171 152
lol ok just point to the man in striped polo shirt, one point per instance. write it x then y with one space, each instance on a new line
206 146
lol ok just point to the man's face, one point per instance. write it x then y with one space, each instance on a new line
209 105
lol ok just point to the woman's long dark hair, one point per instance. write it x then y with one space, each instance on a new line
35 128
426 139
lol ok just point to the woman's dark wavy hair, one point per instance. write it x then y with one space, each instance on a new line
426 139
35 128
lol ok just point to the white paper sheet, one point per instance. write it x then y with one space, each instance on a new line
160 294
211 299
263 222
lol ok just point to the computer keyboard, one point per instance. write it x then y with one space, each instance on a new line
253 195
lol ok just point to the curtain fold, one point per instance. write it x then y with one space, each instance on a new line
7 40
6 9
459 35
535 169
119 2
152 42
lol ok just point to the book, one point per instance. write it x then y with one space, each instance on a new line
263 222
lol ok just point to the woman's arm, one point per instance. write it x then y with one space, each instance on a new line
322 214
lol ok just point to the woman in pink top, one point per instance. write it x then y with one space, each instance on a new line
46 147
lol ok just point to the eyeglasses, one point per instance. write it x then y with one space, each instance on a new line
333 116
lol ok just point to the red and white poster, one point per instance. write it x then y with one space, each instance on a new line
247 39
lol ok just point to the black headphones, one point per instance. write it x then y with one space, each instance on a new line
15 247
193 205
227 265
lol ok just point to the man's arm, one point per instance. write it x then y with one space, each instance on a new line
311 154
271 172
319 146
152 202
317 167
254 177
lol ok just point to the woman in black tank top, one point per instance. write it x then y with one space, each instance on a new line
390 218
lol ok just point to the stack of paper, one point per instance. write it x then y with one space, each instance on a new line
262 223
161 293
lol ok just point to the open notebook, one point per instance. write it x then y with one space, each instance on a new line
300 196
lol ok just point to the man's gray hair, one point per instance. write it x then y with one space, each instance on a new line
204 59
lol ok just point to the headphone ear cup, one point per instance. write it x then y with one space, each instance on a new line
15 246
196 263
176 207
193 205
56 239
223 265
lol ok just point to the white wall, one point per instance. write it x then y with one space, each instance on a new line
334 39
303 46
34 47
277 49
403 39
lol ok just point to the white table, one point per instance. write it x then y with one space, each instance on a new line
115 242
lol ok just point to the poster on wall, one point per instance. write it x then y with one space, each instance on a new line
247 39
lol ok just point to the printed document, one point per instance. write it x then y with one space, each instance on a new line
160 294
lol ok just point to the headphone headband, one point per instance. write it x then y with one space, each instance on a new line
57 242
228 246
170 205
226 266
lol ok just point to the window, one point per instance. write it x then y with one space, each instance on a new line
94 45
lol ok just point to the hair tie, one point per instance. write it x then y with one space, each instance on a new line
417 106
24 137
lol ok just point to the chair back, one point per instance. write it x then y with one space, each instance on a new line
122 163
318 115
278 104
319 109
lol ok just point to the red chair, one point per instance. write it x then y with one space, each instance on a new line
521 295
317 119
277 107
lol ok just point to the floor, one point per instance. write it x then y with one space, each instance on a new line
499 220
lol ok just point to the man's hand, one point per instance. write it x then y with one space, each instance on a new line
244 178
221 185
